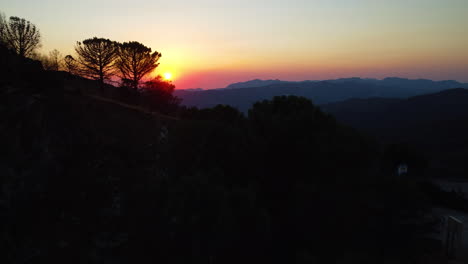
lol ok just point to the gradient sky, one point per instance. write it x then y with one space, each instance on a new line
211 43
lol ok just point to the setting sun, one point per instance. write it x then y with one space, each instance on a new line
168 76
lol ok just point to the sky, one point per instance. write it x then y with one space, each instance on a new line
212 43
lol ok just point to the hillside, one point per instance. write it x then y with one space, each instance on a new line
95 176
69 154
54 117
437 124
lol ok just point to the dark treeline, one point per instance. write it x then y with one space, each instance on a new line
86 181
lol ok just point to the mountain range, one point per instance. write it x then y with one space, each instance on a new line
243 94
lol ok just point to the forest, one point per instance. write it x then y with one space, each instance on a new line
100 163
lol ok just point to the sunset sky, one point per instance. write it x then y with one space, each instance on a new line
211 43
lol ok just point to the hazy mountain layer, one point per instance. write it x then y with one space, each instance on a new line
243 95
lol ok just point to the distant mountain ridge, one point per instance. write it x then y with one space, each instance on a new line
254 83
389 81
243 94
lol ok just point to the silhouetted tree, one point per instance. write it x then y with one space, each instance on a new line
134 61
2 29
96 57
20 35
53 61
157 95
70 64
56 59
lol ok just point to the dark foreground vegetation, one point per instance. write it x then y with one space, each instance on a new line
92 173
433 126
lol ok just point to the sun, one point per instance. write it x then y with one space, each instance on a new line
168 76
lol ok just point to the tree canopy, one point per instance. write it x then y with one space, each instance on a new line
2 28
70 64
134 61
157 95
19 35
96 57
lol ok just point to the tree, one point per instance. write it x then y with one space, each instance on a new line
70 64
20 35
2 29
56 59
134 61
96 57
53 61
157 95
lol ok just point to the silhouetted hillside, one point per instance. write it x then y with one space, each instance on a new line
243 95
437 124
18 70
89 174
66 160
